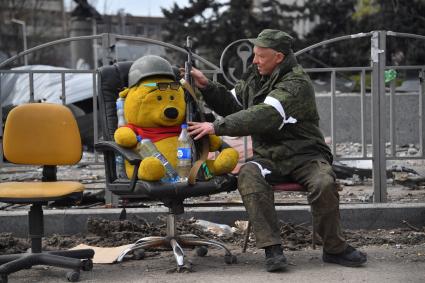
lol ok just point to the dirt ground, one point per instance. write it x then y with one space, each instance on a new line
106 233
396 255
386 263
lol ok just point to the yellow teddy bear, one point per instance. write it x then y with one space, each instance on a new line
155 108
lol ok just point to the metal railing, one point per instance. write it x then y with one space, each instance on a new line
378 94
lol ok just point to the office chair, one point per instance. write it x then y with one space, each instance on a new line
112 79
47 135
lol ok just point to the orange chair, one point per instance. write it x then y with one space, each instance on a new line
282 187
48 135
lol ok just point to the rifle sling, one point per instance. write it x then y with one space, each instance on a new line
204 141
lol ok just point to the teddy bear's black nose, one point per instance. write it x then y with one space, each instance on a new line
171 113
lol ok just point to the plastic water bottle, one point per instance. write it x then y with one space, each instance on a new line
215 228
120 112
119 160
146 148
184 154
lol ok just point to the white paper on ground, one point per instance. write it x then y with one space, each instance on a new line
103 254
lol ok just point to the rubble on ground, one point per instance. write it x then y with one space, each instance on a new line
10 244
405 179
107 233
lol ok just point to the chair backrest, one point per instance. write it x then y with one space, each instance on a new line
112 79
42 134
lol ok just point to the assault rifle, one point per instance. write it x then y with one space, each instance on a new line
194 110
188 78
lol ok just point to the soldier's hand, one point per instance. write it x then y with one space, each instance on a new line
197 130
200 80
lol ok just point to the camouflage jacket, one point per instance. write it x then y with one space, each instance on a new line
279 113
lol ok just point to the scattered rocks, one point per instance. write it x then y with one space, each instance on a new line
10 245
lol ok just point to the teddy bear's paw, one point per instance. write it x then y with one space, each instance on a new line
215 143
226 161
125 137
151 169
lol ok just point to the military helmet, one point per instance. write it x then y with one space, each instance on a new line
149 65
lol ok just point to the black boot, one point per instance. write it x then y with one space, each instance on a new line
275 260
349 257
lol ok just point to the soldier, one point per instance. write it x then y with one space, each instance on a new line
275 104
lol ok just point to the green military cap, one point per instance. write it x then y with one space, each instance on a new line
275 39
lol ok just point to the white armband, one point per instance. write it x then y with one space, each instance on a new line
264 171
278 106
233 92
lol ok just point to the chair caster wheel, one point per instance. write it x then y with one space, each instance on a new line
139 254
201 251
186 268
86 264
73 276
3 278
230 259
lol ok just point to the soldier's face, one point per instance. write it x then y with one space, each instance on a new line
266 59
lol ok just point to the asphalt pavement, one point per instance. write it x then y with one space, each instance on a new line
386 263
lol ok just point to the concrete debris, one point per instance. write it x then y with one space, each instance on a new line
241 225
351 176
217 229
413 182
355 174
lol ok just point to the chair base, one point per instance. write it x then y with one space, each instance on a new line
176 244
76 260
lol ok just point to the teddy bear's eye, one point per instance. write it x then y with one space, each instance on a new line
171 97
159 97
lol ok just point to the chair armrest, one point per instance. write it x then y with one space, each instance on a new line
181 190
132 157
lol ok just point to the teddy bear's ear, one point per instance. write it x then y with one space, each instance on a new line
124 92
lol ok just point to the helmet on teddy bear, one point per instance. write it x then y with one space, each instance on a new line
149 65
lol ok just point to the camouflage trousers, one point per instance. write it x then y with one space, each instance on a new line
316 176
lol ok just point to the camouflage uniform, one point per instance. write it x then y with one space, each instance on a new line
287 143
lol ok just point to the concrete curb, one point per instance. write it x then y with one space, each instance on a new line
354 216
